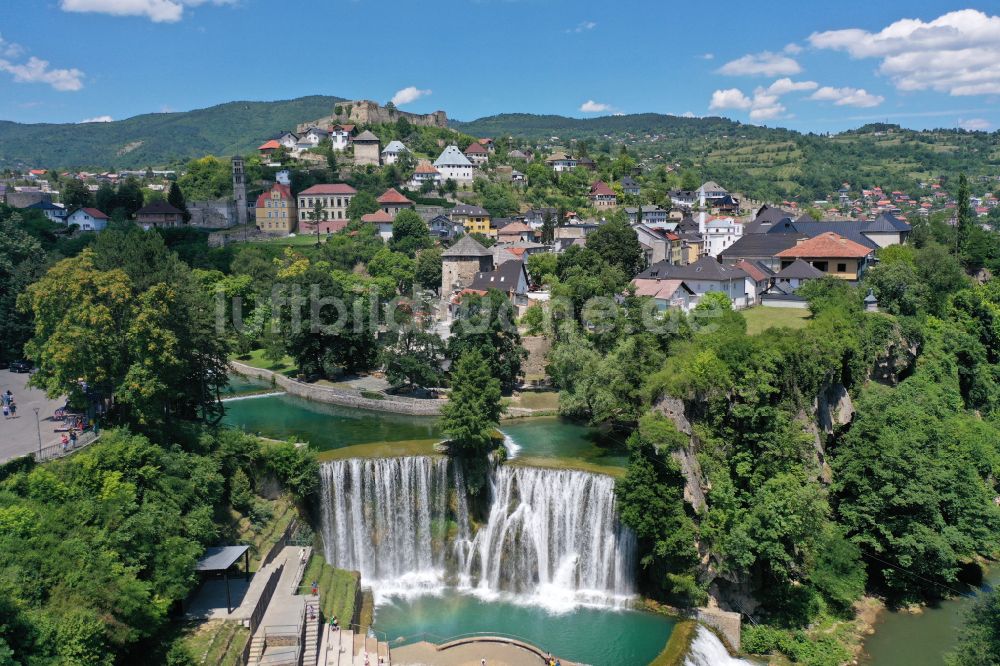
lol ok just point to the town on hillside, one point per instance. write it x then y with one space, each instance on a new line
507 200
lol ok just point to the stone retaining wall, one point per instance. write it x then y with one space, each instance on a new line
339 396
727 623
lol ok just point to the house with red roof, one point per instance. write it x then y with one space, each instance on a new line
276 211
602 196
831 254
383 221
329 199
268 147
477 153
424 173
391 202
88 219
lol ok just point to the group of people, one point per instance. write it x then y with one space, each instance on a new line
9 406
68 441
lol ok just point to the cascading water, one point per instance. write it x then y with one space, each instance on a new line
708 650
552 536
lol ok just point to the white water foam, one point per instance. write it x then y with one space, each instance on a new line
512 447
253 396
552 537
708 650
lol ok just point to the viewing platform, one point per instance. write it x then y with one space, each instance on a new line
471 649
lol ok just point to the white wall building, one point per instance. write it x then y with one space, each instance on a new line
453 164
392 152
719 233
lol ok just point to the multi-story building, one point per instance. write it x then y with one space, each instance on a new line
602 196
476 220
276 210
453 165
333 200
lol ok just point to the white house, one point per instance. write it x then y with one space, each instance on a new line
392 152
313 136
453 164
423 173
88 219
284 176
288 140
666 293
719 233
340 136
704 276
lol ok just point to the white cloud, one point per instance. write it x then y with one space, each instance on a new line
97 119
590 106
10 49
158 11
792 48
847 96
730 98
36 70
975 124
707 56
408 95
761 64
582 26
688 114
957 53
765 103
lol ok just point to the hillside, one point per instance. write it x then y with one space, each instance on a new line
763 162
155 139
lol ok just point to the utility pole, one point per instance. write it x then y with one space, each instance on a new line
38 428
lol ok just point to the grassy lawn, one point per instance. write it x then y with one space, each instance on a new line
338 589
759 319
262 536
285 366
216 642
299 239
413 447
548 400
568 463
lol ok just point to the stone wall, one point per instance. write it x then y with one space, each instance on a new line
367 112
727 624
212 214
25 199
338 396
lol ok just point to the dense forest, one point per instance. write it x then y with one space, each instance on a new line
155 139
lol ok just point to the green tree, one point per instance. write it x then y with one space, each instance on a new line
362 203
413 358
21 263
615 242
409 233
76 195
964 214
428 270
175 197
206 178
393 265
979 637
487 324
472 415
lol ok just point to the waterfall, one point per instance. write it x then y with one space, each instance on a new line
555 535
552 537
708 650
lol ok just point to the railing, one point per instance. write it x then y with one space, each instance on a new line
265 598
289 658
54 451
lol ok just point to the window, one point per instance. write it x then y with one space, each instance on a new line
821 266
841 268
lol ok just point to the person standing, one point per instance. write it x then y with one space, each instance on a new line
6 411
72 439
13 409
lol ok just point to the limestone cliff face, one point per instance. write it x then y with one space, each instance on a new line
367 112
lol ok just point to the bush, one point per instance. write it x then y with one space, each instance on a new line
240 492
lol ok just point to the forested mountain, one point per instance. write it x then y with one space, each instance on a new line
155 139
763 162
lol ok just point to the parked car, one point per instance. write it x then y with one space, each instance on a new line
20 366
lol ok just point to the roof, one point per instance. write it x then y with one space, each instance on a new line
711 186
662 289
559 156
827 244
601 189
44 204
394 147
504 278
515 228
220 558
760 245
476 148
93 212
764 220
628 181
378 217
329 188
158 208
316 130
799 270
269 145
425 167
467 246
886 222
392 196
452 156
366 137
849 229
469 210
754 269
706 268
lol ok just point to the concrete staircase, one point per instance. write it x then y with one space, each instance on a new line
348 648
313 627
256 649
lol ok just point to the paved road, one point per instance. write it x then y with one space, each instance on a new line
19 436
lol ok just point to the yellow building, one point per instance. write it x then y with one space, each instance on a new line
476 220
276 210
832 254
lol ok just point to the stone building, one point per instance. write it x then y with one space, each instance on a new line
367 112
367 149
461 262
240 191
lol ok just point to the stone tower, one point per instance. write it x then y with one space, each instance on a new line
240 190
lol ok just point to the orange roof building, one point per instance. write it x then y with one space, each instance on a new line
391 202
830 253
276 210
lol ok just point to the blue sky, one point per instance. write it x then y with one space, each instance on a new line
810 67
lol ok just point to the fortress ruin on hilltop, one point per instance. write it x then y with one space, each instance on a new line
367 112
